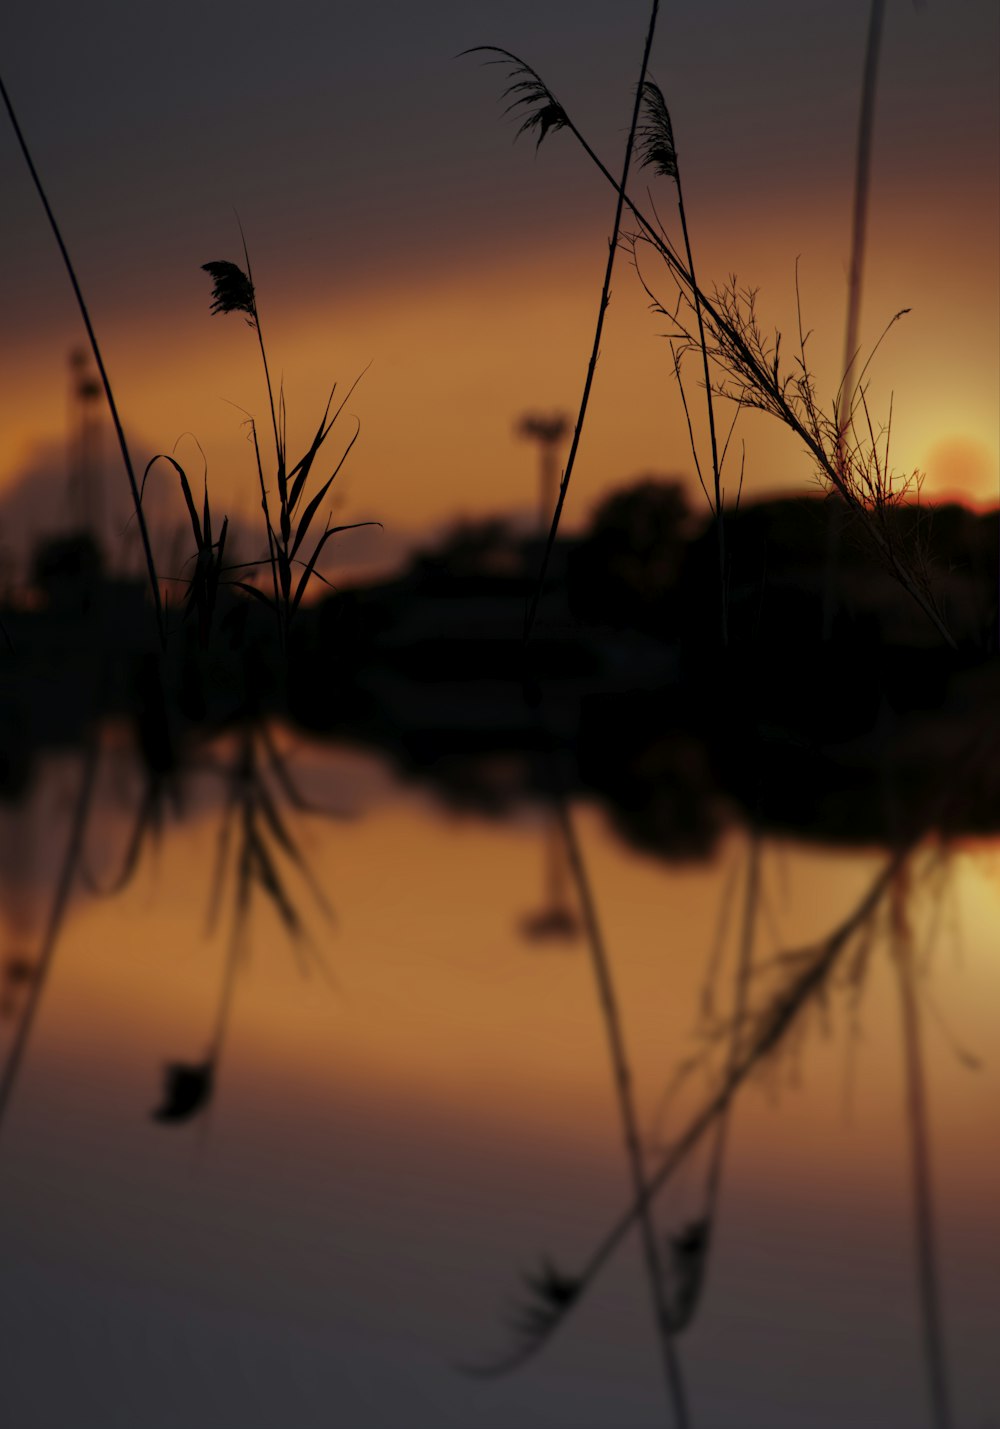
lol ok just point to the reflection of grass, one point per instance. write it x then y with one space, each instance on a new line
259 855
767 1026
292 510
42 964
741 362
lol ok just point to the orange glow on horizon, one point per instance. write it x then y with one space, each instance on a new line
456 357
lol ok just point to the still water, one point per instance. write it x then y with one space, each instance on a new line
395 1142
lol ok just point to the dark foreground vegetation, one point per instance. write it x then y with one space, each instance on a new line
830 677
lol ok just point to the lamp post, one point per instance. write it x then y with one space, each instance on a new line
548 432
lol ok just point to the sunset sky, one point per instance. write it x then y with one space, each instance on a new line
391 220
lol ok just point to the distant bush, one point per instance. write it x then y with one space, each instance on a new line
625 570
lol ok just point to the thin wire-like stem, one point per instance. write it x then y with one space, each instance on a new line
751 900
627 1112
278 447
767 384
98 358
772 1030
935 1359
859 227
859 222
720 527
763 384
599 328
769 1036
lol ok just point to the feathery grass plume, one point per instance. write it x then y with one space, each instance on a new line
550 1292
655 137
546 114
543 112
232 290
658 151
758 381
531 100
755 375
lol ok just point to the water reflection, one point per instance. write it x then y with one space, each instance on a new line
557 920
417 1146
384 1158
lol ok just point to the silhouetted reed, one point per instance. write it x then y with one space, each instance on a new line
154 584
233 291
848 450
540 111
209 558
659 152
743 363
264 841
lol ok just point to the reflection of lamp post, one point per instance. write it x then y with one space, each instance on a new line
18 972
548 432
84 447
556 920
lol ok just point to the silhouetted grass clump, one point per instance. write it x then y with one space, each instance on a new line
289 519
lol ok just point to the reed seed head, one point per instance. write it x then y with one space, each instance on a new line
232 290
655 136
534 104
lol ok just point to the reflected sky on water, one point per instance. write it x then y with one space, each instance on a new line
389 1150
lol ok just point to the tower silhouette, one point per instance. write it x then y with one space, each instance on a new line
85 488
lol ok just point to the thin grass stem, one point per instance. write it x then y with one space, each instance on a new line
599 328
627 1113
932 1325
862 187
710 406
98 358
